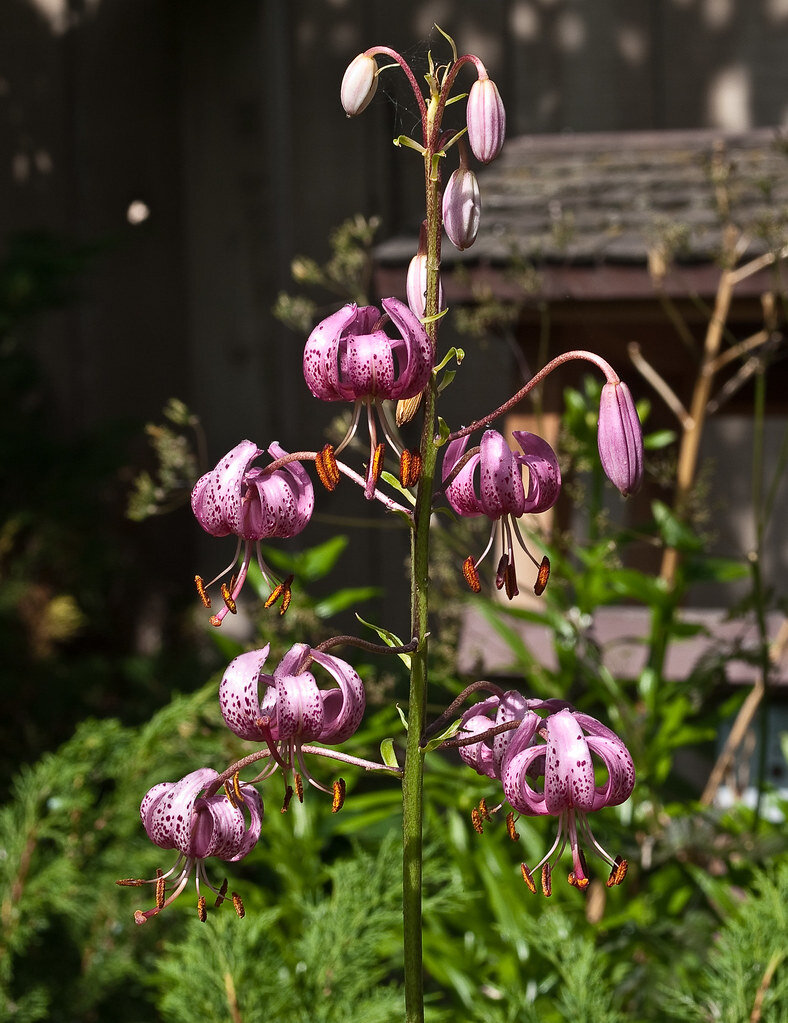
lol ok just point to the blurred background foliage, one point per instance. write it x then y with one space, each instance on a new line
698 931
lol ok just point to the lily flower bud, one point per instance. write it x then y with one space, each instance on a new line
486 119
462 206
359 84
620 438
416 286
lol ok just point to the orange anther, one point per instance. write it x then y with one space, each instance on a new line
227 598
510 827
339 795
238 906
528 878
377 463
542 576
547 881
288 797
476 821
298 781
202 911
409 468
326 466
160 883
198 582
471 575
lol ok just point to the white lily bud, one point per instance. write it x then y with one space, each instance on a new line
359 84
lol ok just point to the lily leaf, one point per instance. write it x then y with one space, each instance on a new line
447 733
387 754
388 637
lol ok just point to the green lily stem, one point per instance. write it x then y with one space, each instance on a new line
413 772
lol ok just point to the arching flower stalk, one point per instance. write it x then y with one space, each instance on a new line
349 357
286 710
490 482
175 818
253 503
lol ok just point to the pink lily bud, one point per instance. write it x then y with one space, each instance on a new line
486 119
359 84
620 438
462 206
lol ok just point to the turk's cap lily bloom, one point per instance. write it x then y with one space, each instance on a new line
462 207
240 499
175 816
287 708
486 120
359 84
620 438
349 357
490 482
562 749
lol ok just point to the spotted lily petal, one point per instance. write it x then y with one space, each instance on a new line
239 695
544 474
167 810
343 708
501 478
217 496
461 492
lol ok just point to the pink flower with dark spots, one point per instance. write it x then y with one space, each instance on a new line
241 499
287 708
350 357
175 816
563 750
490 483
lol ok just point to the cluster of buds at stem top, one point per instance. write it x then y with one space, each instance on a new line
551 741
240 499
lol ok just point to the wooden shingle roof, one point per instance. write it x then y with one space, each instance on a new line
604 200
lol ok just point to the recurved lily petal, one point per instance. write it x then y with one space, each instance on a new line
569 771
239 699
322 349
217 496
544 473
166 810
461 492
501 478
221 829
277 504
343 708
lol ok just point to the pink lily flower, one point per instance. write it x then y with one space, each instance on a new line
253 504
349 357
287 709
175 818
561 749
491 483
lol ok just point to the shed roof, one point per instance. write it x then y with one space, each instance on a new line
603 200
